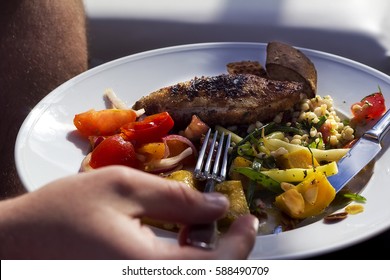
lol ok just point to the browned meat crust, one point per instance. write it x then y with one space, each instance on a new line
246 67
226 99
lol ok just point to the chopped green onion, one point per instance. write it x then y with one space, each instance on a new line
260 178
252 184
355 197
245 150
321 121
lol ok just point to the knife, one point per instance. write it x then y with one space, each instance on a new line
361 153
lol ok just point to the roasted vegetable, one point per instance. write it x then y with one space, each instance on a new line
150 129
264 180
152 151
302 158
370 107
105 122
239 162
184 176
114 150
238 204
308 198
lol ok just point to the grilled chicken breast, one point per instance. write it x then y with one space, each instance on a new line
225 99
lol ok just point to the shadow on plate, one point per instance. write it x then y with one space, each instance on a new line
80 142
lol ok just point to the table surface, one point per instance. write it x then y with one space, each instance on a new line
119 28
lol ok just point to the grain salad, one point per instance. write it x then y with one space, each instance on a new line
315 116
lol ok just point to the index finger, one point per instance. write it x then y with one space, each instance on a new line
168 200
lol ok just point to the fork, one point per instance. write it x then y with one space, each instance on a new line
205 235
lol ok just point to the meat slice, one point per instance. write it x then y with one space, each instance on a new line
226 99
286 63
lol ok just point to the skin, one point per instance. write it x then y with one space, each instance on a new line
96 215
42 44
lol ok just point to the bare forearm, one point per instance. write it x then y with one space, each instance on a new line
42 44
44 41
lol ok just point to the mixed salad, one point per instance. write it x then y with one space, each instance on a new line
278 170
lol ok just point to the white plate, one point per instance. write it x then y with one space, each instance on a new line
47 147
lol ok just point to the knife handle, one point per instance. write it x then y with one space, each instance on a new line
380 128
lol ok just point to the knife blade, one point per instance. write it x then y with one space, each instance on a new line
361 153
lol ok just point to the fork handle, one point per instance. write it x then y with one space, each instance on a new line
203 236
210 186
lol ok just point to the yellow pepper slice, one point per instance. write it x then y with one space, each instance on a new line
308 198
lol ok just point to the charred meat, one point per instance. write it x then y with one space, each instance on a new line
225 99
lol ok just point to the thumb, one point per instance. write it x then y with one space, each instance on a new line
173 201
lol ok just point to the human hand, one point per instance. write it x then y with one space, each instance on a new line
97 215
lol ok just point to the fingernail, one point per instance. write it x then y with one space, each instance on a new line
216 199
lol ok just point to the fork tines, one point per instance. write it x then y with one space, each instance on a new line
205 235
216 150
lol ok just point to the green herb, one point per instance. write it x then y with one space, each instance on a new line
245 149
260 178
316 144
355 197
346 122
305 125
321 121
256 166
253 135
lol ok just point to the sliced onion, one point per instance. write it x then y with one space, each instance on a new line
114 99
118 103
85 166
166 164
180 138
96 140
